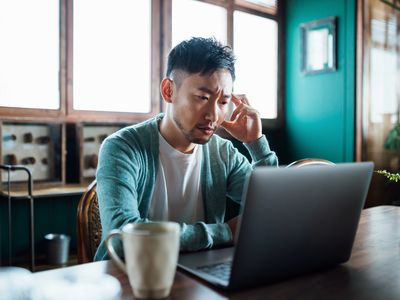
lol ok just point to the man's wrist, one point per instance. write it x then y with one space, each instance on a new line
258 148
254 140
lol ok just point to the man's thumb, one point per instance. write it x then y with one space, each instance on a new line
227 125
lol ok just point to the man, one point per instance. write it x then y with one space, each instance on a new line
173 167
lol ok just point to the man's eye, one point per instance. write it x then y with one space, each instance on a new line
224 103
203 98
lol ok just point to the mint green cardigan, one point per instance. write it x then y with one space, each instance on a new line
126 177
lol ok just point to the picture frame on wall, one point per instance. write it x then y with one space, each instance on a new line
318 45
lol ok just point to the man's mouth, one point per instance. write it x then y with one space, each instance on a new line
206 129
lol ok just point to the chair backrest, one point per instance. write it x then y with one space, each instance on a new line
305 162
88 225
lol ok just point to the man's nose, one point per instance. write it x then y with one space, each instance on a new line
212 111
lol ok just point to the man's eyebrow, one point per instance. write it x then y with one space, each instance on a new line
208 91
205 89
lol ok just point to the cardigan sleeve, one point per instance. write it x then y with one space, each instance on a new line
261 155
200 235
117 177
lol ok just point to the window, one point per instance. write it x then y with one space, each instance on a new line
208 21
257 66
103 60
251 28
29 54
269 6
112 56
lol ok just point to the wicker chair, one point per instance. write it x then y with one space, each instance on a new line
306 162
88 225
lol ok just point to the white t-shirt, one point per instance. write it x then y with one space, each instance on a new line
177 194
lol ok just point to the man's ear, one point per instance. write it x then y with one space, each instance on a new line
167 89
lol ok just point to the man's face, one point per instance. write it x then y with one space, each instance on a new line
200 103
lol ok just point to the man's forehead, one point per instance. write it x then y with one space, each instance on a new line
212 81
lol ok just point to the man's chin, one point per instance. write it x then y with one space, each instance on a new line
201 141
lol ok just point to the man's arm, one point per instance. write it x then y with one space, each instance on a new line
117 177
245 125
124 190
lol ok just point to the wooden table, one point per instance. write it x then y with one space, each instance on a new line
373 272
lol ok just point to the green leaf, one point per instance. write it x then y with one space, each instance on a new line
392 141
391 176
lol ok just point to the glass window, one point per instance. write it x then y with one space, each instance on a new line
268 6
257 61
194 18
268 3
112 55
29 54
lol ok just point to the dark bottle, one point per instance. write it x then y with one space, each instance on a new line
91 161
45 161
9 137
28 160
27 138
89 139
102 137
42 140
10 159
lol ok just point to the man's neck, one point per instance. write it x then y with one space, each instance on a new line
174 137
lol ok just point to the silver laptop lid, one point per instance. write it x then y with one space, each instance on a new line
297 220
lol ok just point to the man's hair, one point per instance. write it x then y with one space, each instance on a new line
201 55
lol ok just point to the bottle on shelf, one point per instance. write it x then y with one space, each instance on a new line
89 139
42 140
9 137
27 137
91 161
102 137
30 160
10 159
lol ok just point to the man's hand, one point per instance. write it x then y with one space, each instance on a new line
232 223
245 123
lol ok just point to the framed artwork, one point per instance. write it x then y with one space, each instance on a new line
318 45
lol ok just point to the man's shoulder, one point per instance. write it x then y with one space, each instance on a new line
140 130
136 136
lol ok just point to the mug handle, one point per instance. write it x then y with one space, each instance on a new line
111 250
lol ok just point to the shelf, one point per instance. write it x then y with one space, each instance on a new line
68 189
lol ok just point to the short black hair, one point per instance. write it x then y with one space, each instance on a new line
201 55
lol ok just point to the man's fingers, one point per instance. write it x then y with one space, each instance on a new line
228 125
234 114
235 100
245 100
237 110
240 98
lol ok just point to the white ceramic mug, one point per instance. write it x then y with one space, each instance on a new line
151 254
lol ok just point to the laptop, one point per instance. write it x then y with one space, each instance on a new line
294 221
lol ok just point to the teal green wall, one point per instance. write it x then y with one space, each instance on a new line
320 108
52 215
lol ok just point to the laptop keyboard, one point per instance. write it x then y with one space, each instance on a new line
219 270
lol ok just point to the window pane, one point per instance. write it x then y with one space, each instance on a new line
382 90
269 5
29 54
257 61
112 55
194 18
